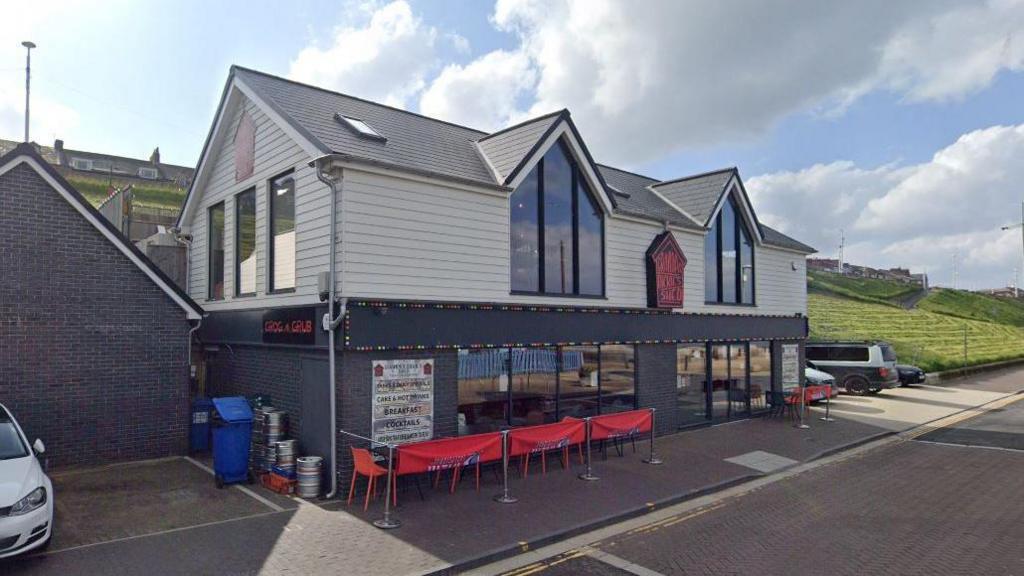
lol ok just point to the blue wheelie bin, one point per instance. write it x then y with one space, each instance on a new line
232 428
199 430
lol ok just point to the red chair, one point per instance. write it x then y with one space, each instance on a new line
365 466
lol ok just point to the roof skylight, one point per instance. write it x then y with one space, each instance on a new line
359 127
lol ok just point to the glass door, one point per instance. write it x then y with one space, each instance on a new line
692 383
730 393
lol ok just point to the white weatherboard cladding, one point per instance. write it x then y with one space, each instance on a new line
406 239
276 152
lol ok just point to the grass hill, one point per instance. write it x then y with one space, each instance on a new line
864 289
974 306
931 335
928 339
166 197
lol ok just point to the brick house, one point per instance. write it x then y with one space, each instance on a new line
529 282
93 337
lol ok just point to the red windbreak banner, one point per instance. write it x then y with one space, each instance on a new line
448 453
545 437
622 424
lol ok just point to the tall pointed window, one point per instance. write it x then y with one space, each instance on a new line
729 258
557 231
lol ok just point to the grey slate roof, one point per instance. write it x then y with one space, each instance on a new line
421 144
506 149
697 195
773 237
635 198
413 141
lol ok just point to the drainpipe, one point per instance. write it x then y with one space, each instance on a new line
188 347
330 320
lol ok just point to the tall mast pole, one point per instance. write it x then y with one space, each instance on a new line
28 79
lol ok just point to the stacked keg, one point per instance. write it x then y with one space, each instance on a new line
267 431
308 472
285 452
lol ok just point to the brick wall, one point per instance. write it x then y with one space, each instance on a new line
355 381
656 384
92 352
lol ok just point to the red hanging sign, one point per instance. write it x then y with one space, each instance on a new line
665 266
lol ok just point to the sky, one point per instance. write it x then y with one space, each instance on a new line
900 124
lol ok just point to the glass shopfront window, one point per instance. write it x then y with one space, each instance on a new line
483 390
760 373
691 383
578 382
618 378
529 386
534 389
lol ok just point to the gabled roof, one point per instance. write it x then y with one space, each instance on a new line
26 153
773 237
427 146
699 194
507 150
635 198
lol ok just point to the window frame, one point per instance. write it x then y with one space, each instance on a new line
209 251
238 242
740 223
578 186
270 229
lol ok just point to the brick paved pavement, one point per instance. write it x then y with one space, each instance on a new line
911 508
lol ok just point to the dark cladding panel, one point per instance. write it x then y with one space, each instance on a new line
399 326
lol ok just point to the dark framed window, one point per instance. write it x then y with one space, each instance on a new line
692 383
525 386
557 231
245 243
281 228
215 252
729 259
761 381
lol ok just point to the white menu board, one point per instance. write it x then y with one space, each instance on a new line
790 365
403 401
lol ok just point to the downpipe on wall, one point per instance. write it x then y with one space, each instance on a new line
331 321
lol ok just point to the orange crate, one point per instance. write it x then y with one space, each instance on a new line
278 483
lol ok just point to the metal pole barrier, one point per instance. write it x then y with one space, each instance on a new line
653 458
803 407
505 497
387 522
588 475
828 406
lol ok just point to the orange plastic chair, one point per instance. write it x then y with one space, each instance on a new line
365 466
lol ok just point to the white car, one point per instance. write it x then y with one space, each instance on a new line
26 493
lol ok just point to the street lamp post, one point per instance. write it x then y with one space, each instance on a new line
28 75
1021 226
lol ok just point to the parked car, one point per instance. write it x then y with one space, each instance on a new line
910 374
26 493
815 377
858 367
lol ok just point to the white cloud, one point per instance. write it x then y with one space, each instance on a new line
481 94
386 59
914 215
646 80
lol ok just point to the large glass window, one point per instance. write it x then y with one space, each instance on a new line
691 383
618 378
534 386
282 233
526 235
578 382
215 252
557 230
483 390
760 373
245 243
729 258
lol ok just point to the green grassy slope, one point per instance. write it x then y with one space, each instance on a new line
974 306
95 191
929 340
863 289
